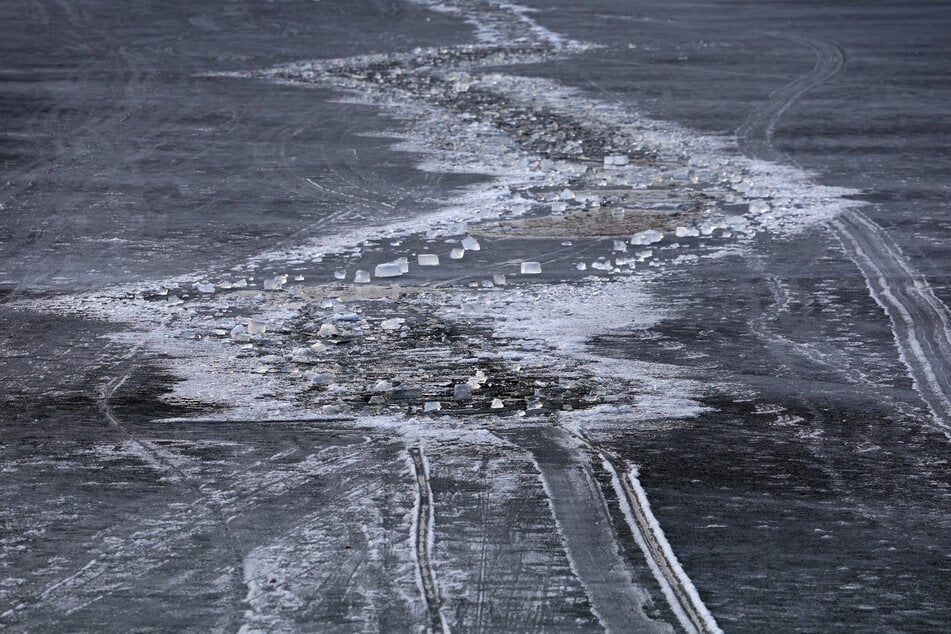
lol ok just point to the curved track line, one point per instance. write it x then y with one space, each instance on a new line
921 323
755 136
422 536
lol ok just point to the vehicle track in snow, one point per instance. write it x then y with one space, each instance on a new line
921 323
422 537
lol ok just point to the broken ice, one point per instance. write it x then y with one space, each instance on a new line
388 269
647 237
457 253
257 327
531 268
428 259
361 277
470 244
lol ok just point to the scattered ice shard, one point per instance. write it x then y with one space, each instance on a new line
735 222
706 228
601 265
327 330
428 259
242 283
361 277
497 403
432 406
298 278
499 279
619 245
456 228
581 266
320 378
174 300
304 355
567 194
275 283
257 327
531 268
340 274
457 253
644 238
392 324
388 269
239 331
559 207
470 244
686 232
462 392
381 386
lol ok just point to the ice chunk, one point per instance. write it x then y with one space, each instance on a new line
404 264
735 222
616 159
392 324
320 378
456 228
204 287
239 330
340 274
759 207
388 269
497 403
174 300
644 238
428 259
257 327
457 253
298 278
432 406
327 330
581 266
567 194
499 279
381 386
318 347
275 283
304 355
706 228
619 245
531 268
686 232
361 277
559 207
470 244
601 265
462 392
242 283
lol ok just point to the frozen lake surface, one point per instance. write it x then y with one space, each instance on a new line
435 315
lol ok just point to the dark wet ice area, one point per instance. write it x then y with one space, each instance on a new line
357 316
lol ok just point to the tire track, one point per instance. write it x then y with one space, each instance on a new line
422 537
921 323
584 523
755 136
679 591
